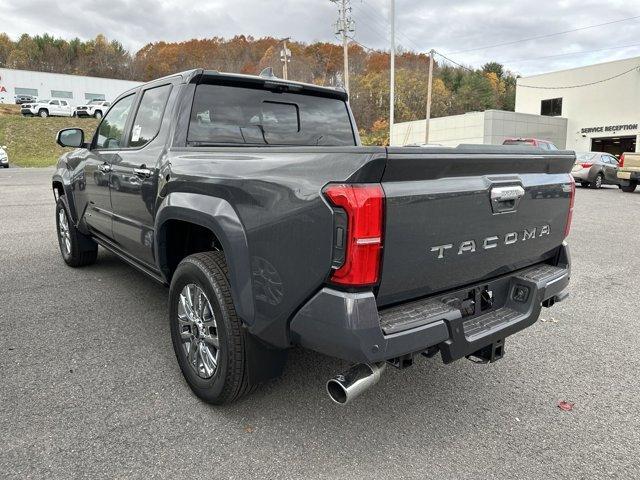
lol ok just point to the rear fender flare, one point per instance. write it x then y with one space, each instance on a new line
217 215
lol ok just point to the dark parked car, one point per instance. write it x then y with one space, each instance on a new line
253 199
20 99
594 169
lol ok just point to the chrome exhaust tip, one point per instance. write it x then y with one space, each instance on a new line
344 388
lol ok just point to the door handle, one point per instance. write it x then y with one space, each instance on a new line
143 171
105 168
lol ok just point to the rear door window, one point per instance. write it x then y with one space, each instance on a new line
146 124
223 114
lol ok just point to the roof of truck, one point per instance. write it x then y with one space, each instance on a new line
199 75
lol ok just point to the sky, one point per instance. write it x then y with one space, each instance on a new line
466 31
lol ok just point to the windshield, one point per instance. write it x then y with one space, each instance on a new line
46 100
95 102
223 114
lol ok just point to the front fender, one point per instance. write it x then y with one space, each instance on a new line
218 216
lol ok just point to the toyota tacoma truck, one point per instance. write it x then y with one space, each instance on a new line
629 171
254 201
46 108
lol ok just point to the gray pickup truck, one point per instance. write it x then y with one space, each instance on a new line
252 198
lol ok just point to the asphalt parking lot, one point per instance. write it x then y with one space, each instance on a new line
90 386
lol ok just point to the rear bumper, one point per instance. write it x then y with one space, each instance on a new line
349 325
629 176
583 175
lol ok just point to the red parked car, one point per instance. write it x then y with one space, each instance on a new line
533 142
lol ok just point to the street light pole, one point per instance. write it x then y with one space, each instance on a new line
430 84
392 87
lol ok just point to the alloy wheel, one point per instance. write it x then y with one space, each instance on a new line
63 232
198 331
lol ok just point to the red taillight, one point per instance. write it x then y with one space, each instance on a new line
621 161
586 165
572 201
364 206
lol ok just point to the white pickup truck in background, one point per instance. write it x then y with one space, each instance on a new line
47 108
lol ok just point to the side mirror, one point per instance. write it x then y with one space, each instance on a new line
70 137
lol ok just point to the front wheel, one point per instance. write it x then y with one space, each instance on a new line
630 188
208 338
43 113
98 115
77 249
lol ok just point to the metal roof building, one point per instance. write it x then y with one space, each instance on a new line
75 89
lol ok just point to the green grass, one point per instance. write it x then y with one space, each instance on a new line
31 141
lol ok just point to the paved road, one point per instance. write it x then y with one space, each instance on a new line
90 386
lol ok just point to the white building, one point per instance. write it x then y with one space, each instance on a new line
600 102
75 89
593 108
488 127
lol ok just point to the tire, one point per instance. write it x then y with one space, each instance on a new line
43 113
115 184
77 249
229 381
630 188
98 115
597 183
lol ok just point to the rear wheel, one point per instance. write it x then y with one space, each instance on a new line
77 249
630 188
208 338
597 183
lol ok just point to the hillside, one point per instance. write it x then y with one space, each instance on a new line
30 141
456 89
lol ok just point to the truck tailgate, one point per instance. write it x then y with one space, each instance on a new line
459 216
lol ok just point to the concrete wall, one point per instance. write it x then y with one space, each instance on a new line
612 103
490 127
44 83
500 125
447 131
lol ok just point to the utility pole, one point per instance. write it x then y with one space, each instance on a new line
345 26
392 88
285 58
426 135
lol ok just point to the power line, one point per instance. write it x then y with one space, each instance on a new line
381 24
637 67
545 36
453 61
572 53
369 49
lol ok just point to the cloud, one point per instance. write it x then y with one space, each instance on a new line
448 26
